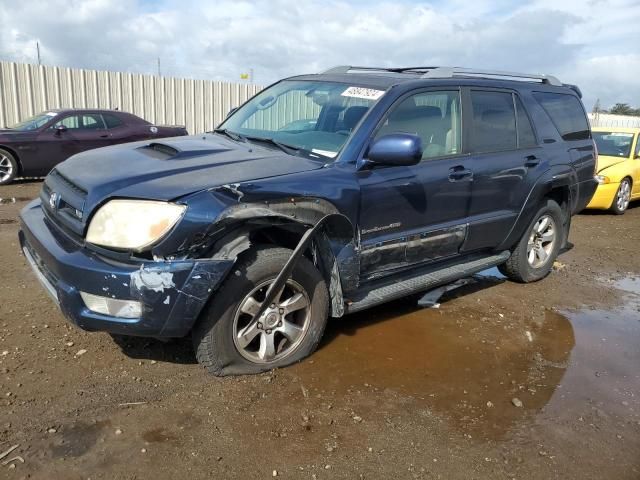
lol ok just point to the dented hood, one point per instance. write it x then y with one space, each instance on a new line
173 167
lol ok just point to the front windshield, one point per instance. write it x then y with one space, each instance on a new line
613 144
33 123
316 117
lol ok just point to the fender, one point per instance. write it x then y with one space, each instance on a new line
559 176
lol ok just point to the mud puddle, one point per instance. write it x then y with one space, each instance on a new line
474 366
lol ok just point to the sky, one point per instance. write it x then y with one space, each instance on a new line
592 43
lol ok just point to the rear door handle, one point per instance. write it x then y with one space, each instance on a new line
531 161
459 173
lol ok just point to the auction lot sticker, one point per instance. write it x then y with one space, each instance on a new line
361 92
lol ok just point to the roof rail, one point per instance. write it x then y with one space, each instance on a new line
449 72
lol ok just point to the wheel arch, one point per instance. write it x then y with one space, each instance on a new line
16 157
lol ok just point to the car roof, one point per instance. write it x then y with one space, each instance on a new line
385 78
616 129
80 110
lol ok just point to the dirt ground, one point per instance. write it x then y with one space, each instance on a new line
536 381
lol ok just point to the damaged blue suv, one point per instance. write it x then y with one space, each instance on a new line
321 196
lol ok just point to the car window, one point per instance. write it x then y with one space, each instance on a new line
433 116
526 137
87 121
613 144
493 122
566 113
637 154
111 121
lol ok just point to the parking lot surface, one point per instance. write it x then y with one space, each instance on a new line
502 380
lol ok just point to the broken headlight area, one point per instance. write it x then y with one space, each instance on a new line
111 306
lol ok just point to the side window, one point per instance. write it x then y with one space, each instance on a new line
637 154
72 122
92 121
566 113
493 124
433 116
526 137
111 121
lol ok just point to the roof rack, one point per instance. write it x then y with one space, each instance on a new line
450 72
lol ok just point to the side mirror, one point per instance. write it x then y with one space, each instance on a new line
60 129
231 112
396 149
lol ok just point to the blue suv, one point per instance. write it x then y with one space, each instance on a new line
321 196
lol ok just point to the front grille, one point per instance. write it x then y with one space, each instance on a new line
63 203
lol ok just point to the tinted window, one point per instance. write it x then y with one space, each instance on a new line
493 125
111 121
433 116
566 113
526 137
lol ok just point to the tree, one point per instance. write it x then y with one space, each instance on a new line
624 109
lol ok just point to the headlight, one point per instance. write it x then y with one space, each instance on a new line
133 224
603 179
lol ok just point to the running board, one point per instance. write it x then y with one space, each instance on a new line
392 289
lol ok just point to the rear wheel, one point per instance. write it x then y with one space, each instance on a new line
622 198
533 256
8 167
230 339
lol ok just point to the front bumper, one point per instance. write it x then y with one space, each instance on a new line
604 196
172 293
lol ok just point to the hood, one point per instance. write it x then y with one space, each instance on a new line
173 167
606 161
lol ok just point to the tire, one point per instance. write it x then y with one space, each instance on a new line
622 198
219 346
8 167
520 267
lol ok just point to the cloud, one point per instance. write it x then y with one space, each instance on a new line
586 43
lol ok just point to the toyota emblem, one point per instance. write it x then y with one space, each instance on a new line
53 200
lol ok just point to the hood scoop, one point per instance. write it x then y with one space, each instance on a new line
177 149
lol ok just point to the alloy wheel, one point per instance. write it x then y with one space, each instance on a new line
279 330
6 168
624 195
541 241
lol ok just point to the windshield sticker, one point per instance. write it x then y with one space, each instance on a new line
326 153
361 92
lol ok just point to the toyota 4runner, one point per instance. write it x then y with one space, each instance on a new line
321 196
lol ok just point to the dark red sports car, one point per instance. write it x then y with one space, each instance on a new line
34 146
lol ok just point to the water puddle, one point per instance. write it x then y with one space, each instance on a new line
473 365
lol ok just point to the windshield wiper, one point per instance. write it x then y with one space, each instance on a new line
285 147
232 135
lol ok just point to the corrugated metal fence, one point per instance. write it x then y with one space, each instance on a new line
199 104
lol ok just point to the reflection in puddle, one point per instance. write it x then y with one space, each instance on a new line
468 364
6 201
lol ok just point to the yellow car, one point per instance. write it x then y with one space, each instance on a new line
618 170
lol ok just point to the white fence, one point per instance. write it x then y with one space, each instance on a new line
200 105
608 120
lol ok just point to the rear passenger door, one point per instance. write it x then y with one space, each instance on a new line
505 159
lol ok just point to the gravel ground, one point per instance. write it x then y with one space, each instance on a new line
503 380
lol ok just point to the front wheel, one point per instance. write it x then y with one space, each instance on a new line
533 256
230 339
8 167
623 197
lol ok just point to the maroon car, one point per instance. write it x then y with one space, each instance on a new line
34 146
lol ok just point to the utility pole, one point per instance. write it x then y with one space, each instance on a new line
38 51
159 71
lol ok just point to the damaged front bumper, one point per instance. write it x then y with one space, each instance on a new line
170 294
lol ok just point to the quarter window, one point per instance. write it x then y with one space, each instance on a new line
433 116
566 113
111 121
493 124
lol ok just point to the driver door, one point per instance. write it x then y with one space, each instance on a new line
416 214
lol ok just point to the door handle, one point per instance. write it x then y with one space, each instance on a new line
106 135
531 161
459 173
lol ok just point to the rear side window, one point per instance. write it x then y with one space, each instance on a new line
493 125
566 113
111 121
